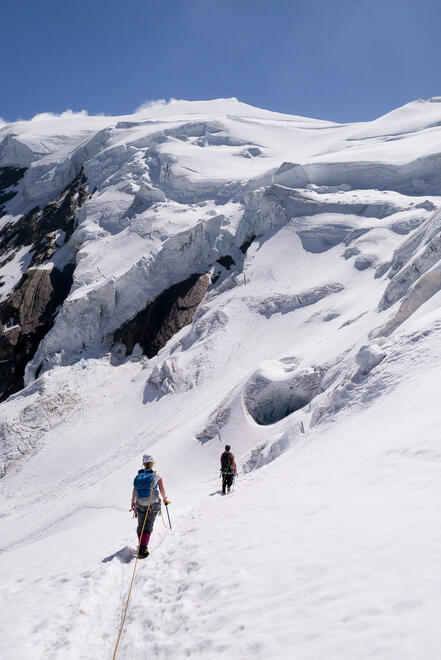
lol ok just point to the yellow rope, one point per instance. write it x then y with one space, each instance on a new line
134 569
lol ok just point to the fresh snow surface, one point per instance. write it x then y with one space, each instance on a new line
328 547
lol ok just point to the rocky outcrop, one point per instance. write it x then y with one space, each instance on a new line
28 312
173 309
9 178
38 227
25 317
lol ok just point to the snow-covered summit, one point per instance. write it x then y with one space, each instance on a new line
202 272
180 108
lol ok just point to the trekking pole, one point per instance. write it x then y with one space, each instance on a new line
169 521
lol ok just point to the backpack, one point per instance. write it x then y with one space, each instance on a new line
143 484
227 461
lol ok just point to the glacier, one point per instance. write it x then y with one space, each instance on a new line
201 273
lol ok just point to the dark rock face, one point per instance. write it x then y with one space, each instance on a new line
28 312
9 177
26 316
38 227
164 317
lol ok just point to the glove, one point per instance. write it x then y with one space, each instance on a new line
166 501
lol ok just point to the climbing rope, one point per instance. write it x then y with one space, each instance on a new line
134 569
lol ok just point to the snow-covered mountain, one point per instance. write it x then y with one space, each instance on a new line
208 272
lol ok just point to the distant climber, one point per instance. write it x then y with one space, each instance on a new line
146 502
228 469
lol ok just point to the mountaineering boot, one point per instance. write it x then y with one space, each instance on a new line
143 552
228 489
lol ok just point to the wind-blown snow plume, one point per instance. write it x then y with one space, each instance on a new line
153 104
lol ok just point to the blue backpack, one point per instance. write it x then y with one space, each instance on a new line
143 484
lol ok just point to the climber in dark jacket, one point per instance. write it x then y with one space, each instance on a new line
228 469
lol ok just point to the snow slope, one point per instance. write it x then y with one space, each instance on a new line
313 353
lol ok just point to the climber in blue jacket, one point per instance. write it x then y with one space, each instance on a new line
146 502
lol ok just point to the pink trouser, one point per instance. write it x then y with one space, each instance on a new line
145 538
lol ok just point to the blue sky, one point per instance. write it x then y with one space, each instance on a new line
343 60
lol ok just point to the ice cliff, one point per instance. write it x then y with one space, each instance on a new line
108 222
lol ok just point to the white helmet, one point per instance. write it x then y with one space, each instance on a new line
147 458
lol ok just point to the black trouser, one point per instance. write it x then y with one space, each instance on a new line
227 480
153 512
